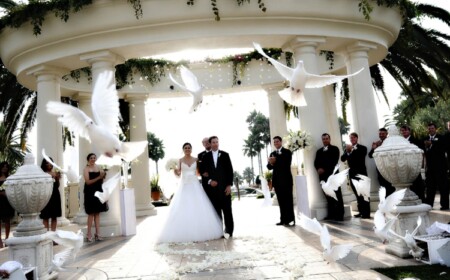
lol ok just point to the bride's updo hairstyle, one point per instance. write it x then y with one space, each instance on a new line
187 144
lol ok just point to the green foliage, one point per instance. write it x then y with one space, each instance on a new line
36 11
248 174
11 151
329 56
215 9
428 272
154 184
150 69
439 114
237 178
268 175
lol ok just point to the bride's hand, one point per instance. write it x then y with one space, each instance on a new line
177 172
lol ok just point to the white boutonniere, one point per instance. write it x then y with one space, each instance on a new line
218 155
325 148
354 148
435 139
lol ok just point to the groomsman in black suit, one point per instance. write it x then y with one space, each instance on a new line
280 162
200 165
219 171
355 155
382 135
418 187
326 160
436 167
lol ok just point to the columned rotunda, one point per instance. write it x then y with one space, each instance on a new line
107 33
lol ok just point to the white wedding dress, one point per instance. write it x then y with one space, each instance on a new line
191 215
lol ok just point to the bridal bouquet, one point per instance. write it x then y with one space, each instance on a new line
297 140
172 164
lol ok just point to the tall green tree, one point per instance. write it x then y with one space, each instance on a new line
259 127
249 150
7 4
155 148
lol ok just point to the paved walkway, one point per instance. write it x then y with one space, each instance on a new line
258 250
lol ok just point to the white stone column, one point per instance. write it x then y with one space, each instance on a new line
334 131
140 172
49 129
364 112
277 115
110 222
84 148
313 119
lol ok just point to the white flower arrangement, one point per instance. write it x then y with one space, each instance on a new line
172 164
297 140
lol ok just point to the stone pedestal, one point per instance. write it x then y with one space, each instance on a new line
33 251
408 212
128 211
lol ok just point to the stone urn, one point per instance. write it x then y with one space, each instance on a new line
400 163
29 191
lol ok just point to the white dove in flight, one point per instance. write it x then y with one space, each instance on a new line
191 85
362 186
388 204
334 182
73 243
299 79
382 227
105 110
330 254
108 187
409 240
70 173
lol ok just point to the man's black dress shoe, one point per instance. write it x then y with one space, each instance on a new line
290 224
327 218
339 219
279 224
357 216
444 208
365 217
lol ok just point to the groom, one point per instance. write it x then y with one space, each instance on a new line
219 171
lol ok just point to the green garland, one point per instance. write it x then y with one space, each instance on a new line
329 56
153 69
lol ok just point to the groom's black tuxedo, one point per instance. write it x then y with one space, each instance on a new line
222 173
201 170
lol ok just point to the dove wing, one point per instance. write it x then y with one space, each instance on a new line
296 99
340 251
337 180
108 187
382 195
105 102
325 238
379 220
71 117
177 83
419 223
131 150
317 81
190 80
392 200
357 186
311 225
47 158
284 71
62 257
328 188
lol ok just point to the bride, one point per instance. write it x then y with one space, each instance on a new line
191 215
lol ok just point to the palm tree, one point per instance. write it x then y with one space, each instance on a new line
249 150
7 4
155 148
11 148
259 133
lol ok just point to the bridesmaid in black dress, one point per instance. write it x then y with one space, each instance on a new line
6 210
53 208
93 177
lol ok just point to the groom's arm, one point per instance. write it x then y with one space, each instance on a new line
228 171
